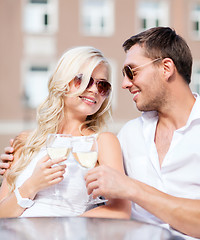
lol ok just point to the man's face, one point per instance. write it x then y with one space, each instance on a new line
146 86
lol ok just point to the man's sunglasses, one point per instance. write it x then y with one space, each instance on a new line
130 71
103 87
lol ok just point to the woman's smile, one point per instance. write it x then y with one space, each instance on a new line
88 100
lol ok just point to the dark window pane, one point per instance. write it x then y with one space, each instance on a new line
45 19
157 22
39 69
144 23
39 1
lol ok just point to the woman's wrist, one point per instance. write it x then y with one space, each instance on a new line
28 190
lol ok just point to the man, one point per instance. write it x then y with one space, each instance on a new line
160 148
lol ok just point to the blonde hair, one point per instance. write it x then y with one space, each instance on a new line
50 113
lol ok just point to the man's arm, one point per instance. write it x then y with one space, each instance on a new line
180 213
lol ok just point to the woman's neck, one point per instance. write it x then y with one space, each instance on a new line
73 127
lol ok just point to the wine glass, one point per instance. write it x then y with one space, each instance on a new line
85 152
58 146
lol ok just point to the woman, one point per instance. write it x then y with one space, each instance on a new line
78 104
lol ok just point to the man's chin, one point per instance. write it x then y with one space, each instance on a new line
143 108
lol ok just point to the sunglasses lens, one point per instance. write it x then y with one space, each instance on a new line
90 83
128 72
78 80
104 88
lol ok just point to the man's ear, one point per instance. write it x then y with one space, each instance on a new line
168 68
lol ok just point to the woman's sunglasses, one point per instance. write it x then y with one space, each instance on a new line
130 71
103 87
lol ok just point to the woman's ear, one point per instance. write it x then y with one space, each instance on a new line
168 68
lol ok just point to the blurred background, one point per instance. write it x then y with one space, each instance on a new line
35 33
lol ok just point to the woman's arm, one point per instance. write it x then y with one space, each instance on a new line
110 155
43 176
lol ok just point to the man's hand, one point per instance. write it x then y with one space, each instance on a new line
6 158
107 182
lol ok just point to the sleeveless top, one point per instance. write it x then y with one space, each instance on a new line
72 195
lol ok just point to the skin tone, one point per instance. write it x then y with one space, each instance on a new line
149 84
78 107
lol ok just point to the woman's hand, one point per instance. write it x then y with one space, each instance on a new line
47 172
6 158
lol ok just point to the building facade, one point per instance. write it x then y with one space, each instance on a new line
35 33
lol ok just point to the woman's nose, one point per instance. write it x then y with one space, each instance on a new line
93 88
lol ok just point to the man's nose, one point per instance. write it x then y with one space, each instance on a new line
126 83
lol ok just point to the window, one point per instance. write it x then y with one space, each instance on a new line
195 17
97 17
36 85
40 16
152 14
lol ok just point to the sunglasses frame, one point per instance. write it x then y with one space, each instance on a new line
102 92
128 71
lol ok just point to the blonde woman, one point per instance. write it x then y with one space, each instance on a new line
78 104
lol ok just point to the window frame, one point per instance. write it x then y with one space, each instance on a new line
96 28
159 17
45 14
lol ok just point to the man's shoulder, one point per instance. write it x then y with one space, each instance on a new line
133 122
131 125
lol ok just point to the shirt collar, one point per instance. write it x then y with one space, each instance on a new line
194 115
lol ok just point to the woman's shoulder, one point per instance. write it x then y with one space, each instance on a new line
107 137
106 134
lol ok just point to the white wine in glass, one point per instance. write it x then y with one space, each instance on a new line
85 152
58 146
58 152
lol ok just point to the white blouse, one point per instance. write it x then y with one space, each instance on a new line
73 197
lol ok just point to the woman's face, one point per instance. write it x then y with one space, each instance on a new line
90 101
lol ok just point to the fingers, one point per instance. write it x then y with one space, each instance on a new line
6 157
49 163
8 150
46 160
11 141
59 161
94 181
46 173
93 188
103 181
91 173
4 165
2 171
55 174
55 180
57 169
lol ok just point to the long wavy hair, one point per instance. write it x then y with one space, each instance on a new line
50 113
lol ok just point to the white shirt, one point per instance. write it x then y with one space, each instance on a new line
179 174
